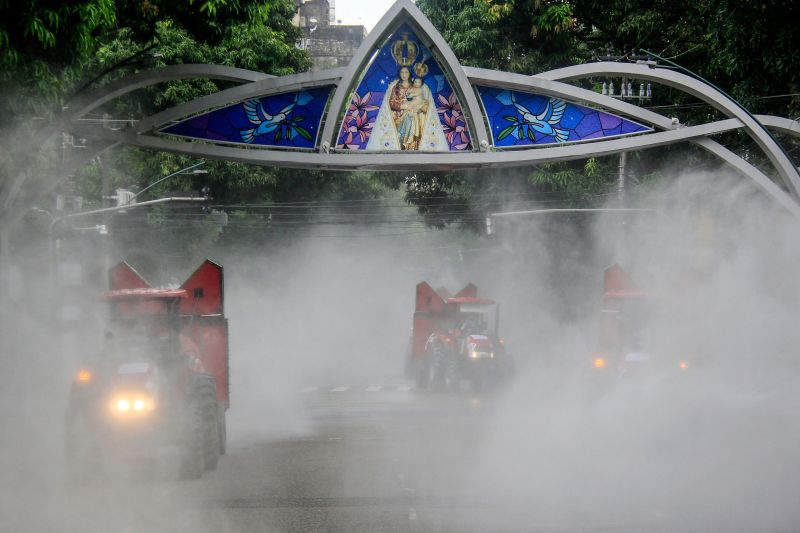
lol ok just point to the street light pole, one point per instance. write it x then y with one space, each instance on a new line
181 171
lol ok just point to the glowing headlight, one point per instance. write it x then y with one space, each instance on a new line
682 365
122 405
599 362
84 376
473 354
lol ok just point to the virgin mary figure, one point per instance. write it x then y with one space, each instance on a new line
407 119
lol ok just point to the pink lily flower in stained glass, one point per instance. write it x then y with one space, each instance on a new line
359 128
357 105
453 128
449 105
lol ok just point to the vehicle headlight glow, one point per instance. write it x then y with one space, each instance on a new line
473 354
682 365
599 362
127 404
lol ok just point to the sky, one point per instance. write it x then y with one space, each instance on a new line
353 11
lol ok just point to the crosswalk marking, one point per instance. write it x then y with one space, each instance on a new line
340 389
404 388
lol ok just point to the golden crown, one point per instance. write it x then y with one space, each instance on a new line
405 52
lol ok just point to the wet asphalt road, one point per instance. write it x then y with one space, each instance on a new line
369 458
389 458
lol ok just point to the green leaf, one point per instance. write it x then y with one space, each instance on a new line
277 136
298 119
505 132
511 119
530 135
303 132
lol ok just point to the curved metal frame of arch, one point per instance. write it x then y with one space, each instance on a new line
82 105
786 169
465 79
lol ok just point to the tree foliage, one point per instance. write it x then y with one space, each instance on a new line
524 36
747 48
61 33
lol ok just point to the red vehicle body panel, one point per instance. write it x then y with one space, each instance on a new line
198 302
431 307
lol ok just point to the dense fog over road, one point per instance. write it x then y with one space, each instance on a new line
714 447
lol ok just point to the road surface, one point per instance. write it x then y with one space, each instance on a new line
388 458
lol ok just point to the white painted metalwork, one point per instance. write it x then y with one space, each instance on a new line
666 131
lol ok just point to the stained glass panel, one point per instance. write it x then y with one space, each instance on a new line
520 119
404 101
286 120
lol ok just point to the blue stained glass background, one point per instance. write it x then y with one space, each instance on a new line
578 123
379 74
230 124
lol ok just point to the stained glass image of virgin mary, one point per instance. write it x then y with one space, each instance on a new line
408 119
404 101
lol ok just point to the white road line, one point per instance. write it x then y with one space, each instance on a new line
404 388
373 388
340 389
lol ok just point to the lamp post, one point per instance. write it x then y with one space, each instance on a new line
192 168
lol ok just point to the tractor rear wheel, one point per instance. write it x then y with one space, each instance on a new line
452 379
211 437
222 429
437 366
192 458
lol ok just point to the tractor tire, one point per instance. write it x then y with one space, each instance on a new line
451 378
222 429
208 401
436 371
192 458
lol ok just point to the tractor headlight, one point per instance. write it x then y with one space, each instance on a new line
473 354
131 404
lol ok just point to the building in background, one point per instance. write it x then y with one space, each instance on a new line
328 43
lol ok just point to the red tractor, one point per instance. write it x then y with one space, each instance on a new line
162 378
451 341
632 340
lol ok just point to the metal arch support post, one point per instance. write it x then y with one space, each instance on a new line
552 87
85 103
786 169
260 88
404 160
780 124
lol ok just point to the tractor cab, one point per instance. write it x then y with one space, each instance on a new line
455 338
632 333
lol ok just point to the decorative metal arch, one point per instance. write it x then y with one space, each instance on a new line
482 118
